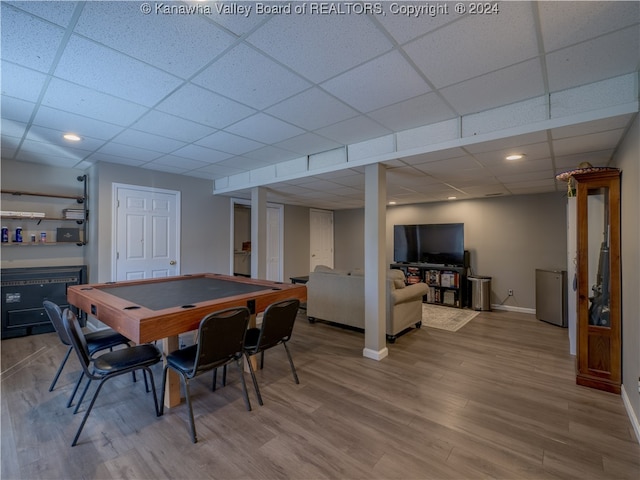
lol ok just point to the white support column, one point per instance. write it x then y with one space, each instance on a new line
375 298
259 233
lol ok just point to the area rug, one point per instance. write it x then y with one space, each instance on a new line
446 318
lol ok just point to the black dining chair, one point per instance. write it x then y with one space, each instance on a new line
220 342
108 365
96 342
276 329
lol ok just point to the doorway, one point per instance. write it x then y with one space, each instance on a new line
241 239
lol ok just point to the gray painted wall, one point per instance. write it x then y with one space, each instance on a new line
627 159
508 238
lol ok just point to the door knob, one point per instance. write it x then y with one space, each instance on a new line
172 262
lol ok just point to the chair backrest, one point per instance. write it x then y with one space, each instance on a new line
277 323
76 335
55 315
221 337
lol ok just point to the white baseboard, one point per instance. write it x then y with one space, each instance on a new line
631 413
375 355
509 308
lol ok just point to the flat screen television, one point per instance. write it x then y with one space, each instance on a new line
435 243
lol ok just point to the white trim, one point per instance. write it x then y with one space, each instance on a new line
375 355
114 220
509 308
632 415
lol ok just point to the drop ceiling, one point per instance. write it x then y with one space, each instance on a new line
191 90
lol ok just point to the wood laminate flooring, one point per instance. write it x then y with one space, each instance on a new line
497 399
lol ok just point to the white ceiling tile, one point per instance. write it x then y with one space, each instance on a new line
133 153
535 151
165 168
180 44
54 138
312 109
372 85
72 98
230 16
408 20
35 49
163 124
202 154
586 128
353 130
227 142
13 128
16 110
251 78
586 143
308 144
511 142
415 112
20 82
599 158
265 128
91 65
217 170
502 87
455 53
47 159
568 23
136 138
200 105
46 149
604 57
70 122
335 43
271 155
174 161
103 157
242 163
59 13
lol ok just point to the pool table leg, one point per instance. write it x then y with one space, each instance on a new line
172 393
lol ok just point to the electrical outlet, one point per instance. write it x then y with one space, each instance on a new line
510 292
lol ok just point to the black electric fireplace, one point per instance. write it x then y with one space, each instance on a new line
24 290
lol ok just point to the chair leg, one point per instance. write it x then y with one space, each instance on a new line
62 364
293 369
75 390
244 384
253 377
187 396
84 392
86 415
164 386
153 389
215 379
262 360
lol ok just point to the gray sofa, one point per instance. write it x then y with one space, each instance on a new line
338 296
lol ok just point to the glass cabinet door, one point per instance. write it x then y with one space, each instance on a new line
598 274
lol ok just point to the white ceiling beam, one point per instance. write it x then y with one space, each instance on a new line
596 101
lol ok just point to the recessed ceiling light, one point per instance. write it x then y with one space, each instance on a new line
516 156
72 137
392 203
451 198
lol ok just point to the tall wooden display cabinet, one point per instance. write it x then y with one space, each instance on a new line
598 278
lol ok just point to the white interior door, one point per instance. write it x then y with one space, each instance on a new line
321 238
147 239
